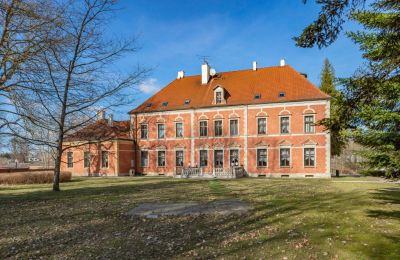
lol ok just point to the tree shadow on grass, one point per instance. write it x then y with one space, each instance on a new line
387 195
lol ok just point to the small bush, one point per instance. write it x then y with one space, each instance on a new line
32 177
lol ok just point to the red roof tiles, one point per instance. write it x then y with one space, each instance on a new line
101 131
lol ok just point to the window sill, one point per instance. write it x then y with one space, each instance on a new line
309 167
284 167
262 167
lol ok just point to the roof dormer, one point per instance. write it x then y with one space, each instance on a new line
219 95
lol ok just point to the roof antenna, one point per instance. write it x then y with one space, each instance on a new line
204 58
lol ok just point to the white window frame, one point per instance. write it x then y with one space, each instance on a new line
158 131
203 136
183 157
230 159
101 159
176 132
315 156
90 155
147 129
165 159
280 124
222 127
304 123
266 125
223 157
69 167
290 156
238 127
262 148
141 165
208 159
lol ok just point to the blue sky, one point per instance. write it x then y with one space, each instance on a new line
173 34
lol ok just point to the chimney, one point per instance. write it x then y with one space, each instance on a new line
110 120
205 73
254 65
181 74
282 62
101 114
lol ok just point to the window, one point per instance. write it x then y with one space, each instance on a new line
281 94
86 159
218 128
234 127
262 126
284 125
219 158
203 158
187 101
257 96
70 159
234 157
161 131
309 157
143 131
179 130
262 158
179 158
284 157
309 124
144 158
203 128
161 158
164 104
104 159
218 97
148 105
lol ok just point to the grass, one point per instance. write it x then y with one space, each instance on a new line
296 219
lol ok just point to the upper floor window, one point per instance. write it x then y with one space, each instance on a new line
179 158
218 128
70 159
262 158
179 130
285 124
309 157
218 97
309 126
104 159
143 131
86 159
284 157
261 126
203 158
161 131
203 128
144 158
161 158
234 127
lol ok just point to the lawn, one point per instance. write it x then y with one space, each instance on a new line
292 219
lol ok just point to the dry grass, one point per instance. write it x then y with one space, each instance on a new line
31 177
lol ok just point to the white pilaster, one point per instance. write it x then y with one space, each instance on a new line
246 134
192 163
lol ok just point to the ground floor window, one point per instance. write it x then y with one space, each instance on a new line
203 158
262 158
218 158
309 157
70 159
86 159
104 159
161 159
144 158
284 157
179 158
234 157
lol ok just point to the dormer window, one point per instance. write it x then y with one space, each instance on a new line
218 97
187 101
257 96
148 105
281 94
164 104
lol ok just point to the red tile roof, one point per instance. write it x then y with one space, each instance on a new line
100 131
241 87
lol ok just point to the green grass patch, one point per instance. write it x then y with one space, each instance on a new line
216 187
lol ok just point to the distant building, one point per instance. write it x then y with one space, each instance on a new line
260 119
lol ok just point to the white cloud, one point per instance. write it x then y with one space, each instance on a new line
149 86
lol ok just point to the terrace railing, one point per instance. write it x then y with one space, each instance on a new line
229 173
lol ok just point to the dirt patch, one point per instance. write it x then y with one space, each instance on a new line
222 207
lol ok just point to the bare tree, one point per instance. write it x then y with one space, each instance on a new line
73 76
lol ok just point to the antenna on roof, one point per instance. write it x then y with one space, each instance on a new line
204 58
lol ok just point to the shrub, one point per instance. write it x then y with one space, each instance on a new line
32 177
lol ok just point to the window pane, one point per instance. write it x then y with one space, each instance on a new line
285 125
143 131
309 124
234 157
218 97
161 158
86 159
218 128
219 158
309 156
161 131
234 127
144 158
179 158
262 158
104 159
285 157
262 126
203 128
70 159
203 158
179 130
